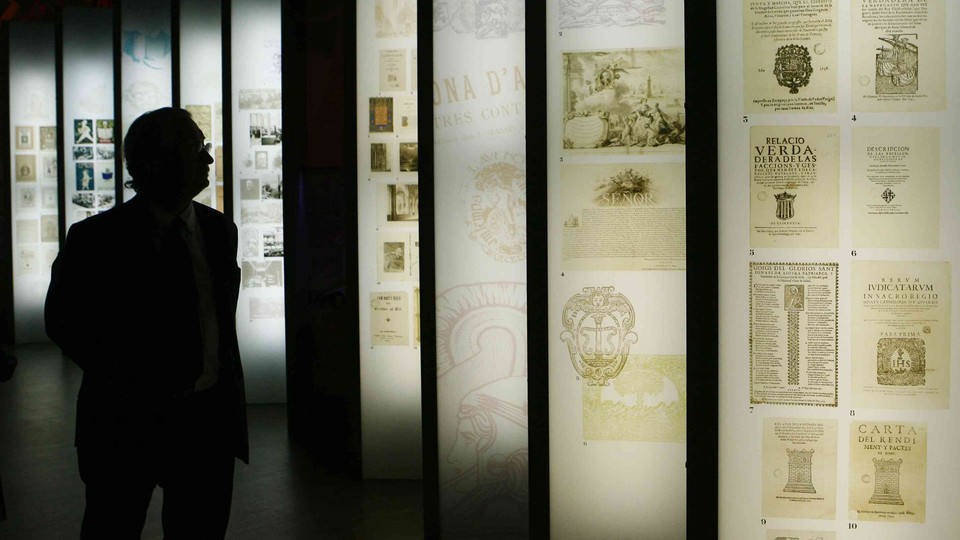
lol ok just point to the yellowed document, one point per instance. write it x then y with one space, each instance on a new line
793 333
794 186
393 70
647 401
898 59
896 187
790 56
799 469
623 216
888 471
624 101
901 334
800 535
389 318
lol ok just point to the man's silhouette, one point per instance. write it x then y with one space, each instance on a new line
162 399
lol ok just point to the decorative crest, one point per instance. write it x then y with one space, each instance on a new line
792 67
598 332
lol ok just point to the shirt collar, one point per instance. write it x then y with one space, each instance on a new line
163 218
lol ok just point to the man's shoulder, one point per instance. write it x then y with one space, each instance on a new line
207 212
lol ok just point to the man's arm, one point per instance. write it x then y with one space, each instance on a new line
66 320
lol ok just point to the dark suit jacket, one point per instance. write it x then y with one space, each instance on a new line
113 310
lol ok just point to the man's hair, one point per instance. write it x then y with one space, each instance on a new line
149 144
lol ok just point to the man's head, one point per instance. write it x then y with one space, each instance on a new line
165 154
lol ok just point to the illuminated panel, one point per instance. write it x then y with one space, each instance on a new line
481 250
33 125
838 249
617 262
388 220
257 194
145 61
201 89
88 131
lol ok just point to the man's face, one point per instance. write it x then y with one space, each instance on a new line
195 160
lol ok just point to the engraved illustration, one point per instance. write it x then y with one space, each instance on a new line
901 361
482 409
897 65
409 157
624 100
24 138
49 167
625 188
393 257
496 200
888 195
784 205
611 13
485 19
142 95
799 471
793 302
395 18
48 137
792 67
381 115
646 402
598 330
404 202
25 168
800 535
379 158
886 488
260 99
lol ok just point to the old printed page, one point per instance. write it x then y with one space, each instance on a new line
793 333
901 334
799 469
896 187
899 56
789 56
794 186
623 216
888 471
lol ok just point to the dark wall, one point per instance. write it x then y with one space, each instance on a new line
320 209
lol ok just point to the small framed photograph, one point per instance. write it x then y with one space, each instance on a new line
26 168
48 138
24 137
83 131
26 198
104 131
409 157
49 171
83 153
262 159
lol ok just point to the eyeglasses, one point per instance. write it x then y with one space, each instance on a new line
197 147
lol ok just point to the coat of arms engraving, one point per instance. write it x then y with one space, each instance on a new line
598 326
792 67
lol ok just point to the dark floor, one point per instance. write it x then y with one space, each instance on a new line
280 495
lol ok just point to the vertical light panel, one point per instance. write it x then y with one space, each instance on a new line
616 128
257 194
33 125
388 219
88 131
145 62
481 248
201 88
